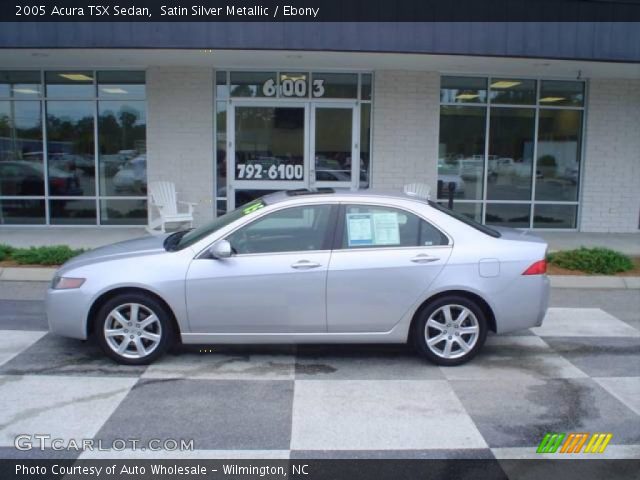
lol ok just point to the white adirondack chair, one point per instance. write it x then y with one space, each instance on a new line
162 195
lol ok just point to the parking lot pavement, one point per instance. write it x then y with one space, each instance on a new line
580 372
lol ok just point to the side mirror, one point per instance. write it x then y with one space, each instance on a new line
220 249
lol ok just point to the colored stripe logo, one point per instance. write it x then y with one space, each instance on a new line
574 443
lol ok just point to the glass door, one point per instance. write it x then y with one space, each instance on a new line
335 160
267 149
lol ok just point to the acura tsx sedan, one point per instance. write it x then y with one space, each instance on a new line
308 266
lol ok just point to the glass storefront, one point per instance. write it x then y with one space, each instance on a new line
510 149
284 129
73 148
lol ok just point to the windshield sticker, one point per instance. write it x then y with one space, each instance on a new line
386 228
252 207
359 229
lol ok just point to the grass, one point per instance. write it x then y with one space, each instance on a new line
53 255
592 260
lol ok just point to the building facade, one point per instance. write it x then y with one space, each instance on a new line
516 128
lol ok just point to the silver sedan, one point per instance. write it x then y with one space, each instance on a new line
308 267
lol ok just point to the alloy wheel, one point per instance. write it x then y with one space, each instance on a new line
132 330
451 331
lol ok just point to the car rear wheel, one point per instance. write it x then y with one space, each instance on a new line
133 329
451 330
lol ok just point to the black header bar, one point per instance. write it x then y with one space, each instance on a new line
320 11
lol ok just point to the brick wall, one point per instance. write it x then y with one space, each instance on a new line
611 177
180 133
405 129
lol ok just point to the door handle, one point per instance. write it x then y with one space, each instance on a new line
424 258
305 265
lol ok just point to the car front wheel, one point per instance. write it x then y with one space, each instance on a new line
451 330
133 329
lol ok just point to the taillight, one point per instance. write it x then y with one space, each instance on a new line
537 268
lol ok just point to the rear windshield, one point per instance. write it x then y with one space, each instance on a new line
466 220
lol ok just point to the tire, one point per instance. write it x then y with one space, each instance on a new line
146 340
470 331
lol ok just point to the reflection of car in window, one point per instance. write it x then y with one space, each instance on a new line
132 176
27 178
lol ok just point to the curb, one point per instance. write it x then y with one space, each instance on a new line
32 274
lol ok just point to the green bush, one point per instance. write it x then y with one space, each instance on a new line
54 255
5 251
592 260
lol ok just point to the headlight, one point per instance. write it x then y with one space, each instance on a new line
65 283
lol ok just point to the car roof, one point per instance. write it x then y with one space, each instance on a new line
339 194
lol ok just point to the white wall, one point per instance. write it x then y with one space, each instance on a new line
611 177
406 110
180 133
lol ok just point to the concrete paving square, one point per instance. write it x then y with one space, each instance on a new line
13 342
221 366
514 357
63 407
372 415
363 362
216 414
583 322
518 412
625 389
54 355
600 357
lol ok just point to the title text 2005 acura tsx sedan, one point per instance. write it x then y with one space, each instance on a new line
308 267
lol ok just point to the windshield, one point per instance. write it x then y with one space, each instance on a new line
464 219
199 233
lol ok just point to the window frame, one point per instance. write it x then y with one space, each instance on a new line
340 229
327 241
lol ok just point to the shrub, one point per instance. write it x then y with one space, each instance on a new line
5 251
54 255
592 260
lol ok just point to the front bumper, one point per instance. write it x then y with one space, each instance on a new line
67 312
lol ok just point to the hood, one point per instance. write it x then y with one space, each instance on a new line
507 233
129 248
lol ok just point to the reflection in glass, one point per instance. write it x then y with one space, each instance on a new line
123 212
513 91
221 207
221 149
463 90
72 212
19 84
70 146
222 89
334 85
333 144
21 170
269 143
558 166
253 84
122 147
471 210
461 151
121 84
561 92
516 215
365 86
510 162
22 212
554 216
365 144
72 84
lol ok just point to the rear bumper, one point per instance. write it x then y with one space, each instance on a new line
523 304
